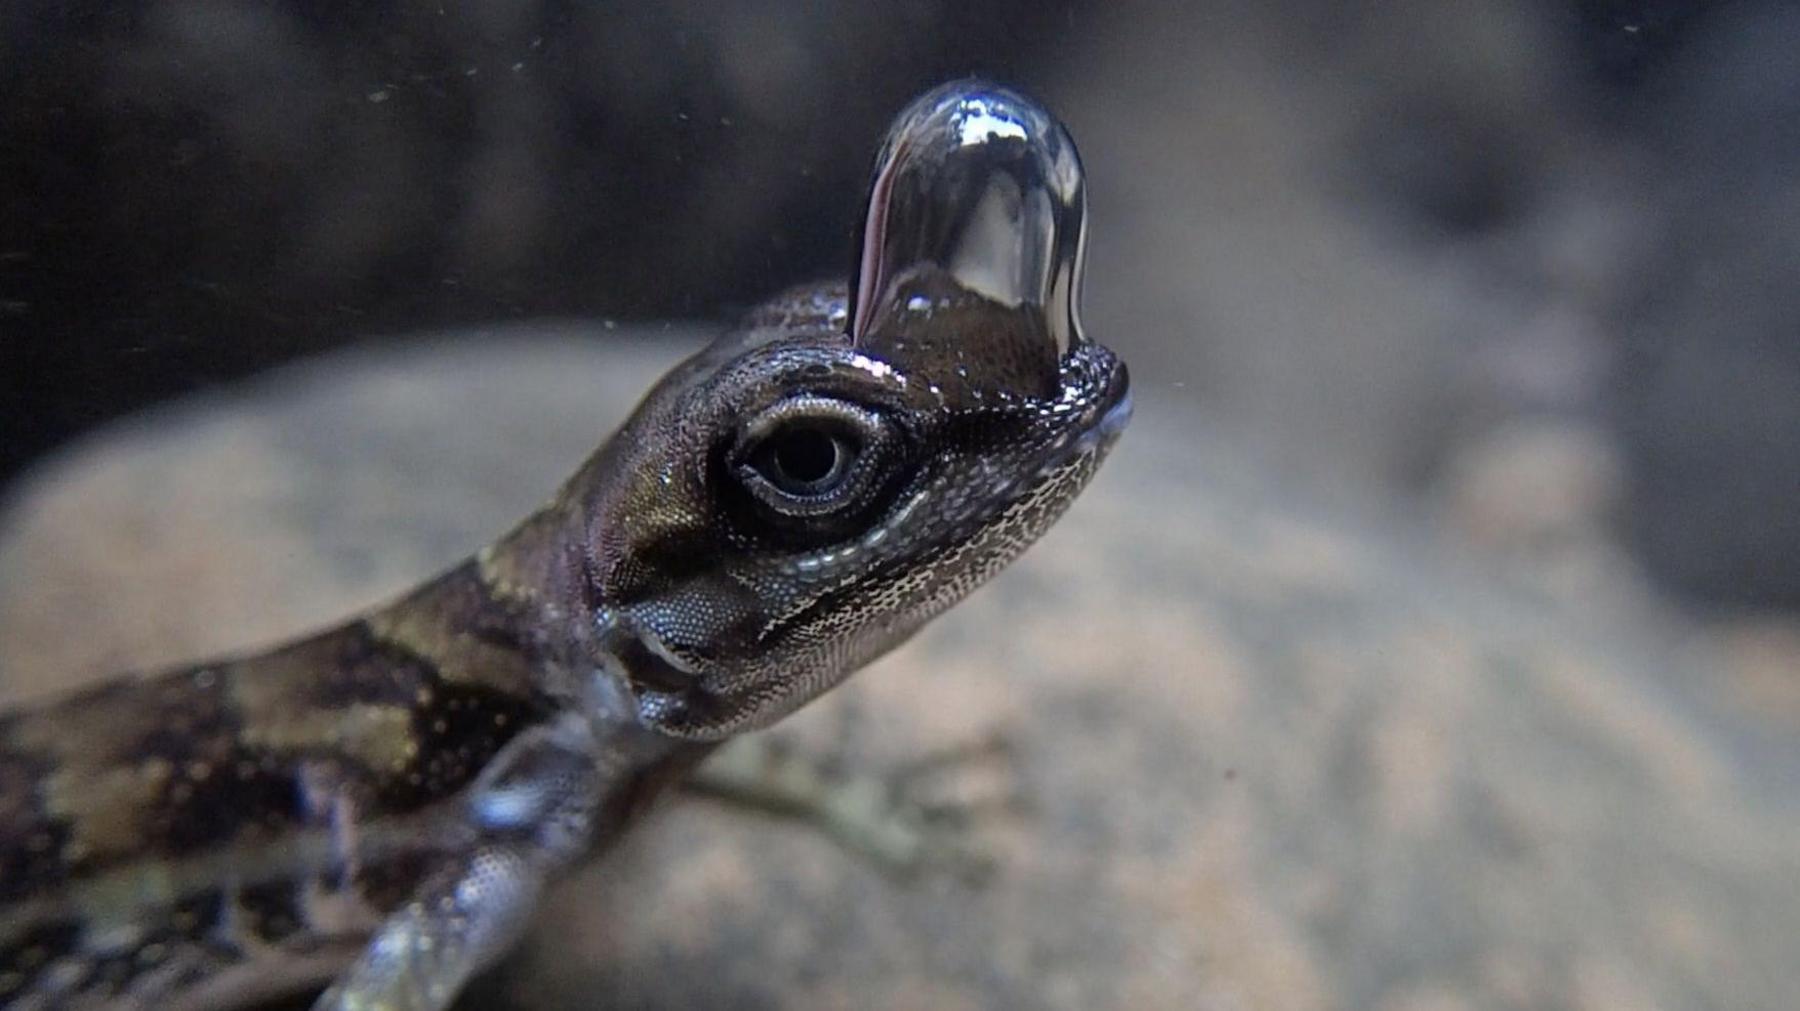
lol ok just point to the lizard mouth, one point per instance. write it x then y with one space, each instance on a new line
1116 412
1093 410
1110 426
1097 393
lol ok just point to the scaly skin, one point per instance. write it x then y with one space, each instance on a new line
782 508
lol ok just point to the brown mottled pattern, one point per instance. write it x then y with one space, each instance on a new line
203 756
33 851
474 637
211 930
131 767
380 717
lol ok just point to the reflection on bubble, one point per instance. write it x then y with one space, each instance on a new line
974 236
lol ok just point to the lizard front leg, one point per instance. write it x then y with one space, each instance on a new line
455 925
533 811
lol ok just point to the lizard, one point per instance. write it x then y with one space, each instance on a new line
376 808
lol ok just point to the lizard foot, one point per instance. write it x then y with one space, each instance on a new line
917 818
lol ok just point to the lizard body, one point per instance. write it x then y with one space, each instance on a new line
381 803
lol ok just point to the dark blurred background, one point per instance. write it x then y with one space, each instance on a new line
1530 266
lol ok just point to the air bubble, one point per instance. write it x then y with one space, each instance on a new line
978 210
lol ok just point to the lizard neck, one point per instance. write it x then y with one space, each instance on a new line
580 653
537 579
586 650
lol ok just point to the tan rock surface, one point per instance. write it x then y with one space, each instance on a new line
1276 759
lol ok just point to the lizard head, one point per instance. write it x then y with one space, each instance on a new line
821 481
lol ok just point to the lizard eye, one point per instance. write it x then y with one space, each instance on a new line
812 456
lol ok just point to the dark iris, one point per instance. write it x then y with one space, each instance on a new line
803 460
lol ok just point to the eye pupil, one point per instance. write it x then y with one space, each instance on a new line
806 456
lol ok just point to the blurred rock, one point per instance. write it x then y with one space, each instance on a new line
1707 397
1276 758
1370 242
1763 655
1539 497
1354 236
